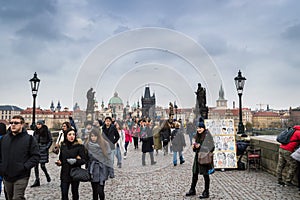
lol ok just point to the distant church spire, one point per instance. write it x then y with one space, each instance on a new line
221 102
221 93
52 107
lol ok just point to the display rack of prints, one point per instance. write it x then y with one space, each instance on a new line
223 133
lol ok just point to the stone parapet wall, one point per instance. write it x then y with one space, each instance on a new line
269 153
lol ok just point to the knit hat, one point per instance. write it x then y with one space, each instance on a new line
201 125
108 117
42 122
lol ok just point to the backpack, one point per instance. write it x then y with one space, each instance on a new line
285 136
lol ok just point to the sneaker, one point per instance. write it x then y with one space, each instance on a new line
281 183
288 183
181 162
175 165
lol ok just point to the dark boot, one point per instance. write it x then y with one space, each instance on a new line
36 183
48 178
152 158
181 160
204 195
143 159
43 166
192 190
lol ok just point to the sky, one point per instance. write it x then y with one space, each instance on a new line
170 46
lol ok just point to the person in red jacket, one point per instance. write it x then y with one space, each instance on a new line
284 158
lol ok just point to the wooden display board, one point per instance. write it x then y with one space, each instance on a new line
222 131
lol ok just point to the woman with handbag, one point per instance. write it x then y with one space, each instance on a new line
64 127
72 155
203 143
100 162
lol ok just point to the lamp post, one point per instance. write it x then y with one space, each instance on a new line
35 83
239 83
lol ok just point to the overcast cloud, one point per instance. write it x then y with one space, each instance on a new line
55 38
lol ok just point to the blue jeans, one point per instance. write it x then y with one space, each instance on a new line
65 190
175 157
118 155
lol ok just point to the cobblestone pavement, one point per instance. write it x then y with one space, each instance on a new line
164 181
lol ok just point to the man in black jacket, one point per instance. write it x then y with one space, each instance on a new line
19 152
111 134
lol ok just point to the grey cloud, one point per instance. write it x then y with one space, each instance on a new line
121 29
22 9
42 28
292 32
213 44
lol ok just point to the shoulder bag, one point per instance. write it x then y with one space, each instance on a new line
205 158
80 174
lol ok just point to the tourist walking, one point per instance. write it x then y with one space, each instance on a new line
190 130
147 142
86 131
178 142
119 144
203 142
44 140
156 137
60 138
128 138
285 159
111 134
72 154
100 163
135 130
19 152
165 134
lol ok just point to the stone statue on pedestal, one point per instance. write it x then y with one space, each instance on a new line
90 109
201 109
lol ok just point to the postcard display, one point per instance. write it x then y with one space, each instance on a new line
225 145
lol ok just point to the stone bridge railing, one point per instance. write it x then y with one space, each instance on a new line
269 153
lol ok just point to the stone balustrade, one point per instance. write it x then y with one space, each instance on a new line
269 153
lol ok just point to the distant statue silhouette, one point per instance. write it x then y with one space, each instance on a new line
91 100
171 109
201 96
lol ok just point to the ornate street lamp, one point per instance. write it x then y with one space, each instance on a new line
35 83
239 83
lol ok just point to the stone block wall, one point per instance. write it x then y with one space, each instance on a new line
269 153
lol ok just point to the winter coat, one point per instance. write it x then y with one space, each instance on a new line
178 140
44 140
71 151
111 135
156 138
99 165
135 130
18 154
165 134
294 141
128 137
147 139
206 145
